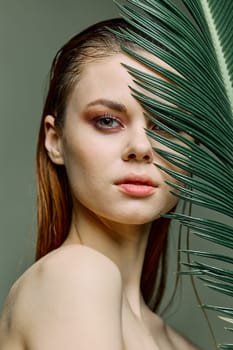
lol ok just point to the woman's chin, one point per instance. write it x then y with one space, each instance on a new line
136 219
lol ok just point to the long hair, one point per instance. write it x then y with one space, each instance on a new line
54 196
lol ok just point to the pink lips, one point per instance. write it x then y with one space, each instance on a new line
137 186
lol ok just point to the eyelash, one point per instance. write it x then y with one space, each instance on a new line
154 127
164 132
110 118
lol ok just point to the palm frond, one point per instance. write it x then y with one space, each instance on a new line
197 99
223 310
226 346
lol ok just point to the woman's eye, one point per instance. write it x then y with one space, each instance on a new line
158 130
107 122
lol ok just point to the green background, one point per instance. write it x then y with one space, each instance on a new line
30 34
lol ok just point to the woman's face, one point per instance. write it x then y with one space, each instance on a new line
106 152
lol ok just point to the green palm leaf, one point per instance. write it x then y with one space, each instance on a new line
198 100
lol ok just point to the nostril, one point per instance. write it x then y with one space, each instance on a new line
148 158
132 156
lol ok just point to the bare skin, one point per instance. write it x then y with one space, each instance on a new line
86 294
82 313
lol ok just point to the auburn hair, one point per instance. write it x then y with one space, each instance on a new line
53 191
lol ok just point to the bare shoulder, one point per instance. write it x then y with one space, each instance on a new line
179 341
10 337
69 296
76 263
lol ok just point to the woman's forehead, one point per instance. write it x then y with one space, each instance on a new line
117 59
108 75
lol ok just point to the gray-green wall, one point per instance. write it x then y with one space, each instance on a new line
30 33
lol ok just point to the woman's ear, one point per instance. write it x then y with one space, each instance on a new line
53 141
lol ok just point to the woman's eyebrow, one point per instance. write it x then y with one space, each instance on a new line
119 107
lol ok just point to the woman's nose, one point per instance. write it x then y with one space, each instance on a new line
138 147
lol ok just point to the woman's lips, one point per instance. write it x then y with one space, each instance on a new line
137 190
137 186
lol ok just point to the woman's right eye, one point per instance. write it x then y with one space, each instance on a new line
107 122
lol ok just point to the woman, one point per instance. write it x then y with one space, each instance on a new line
100 238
